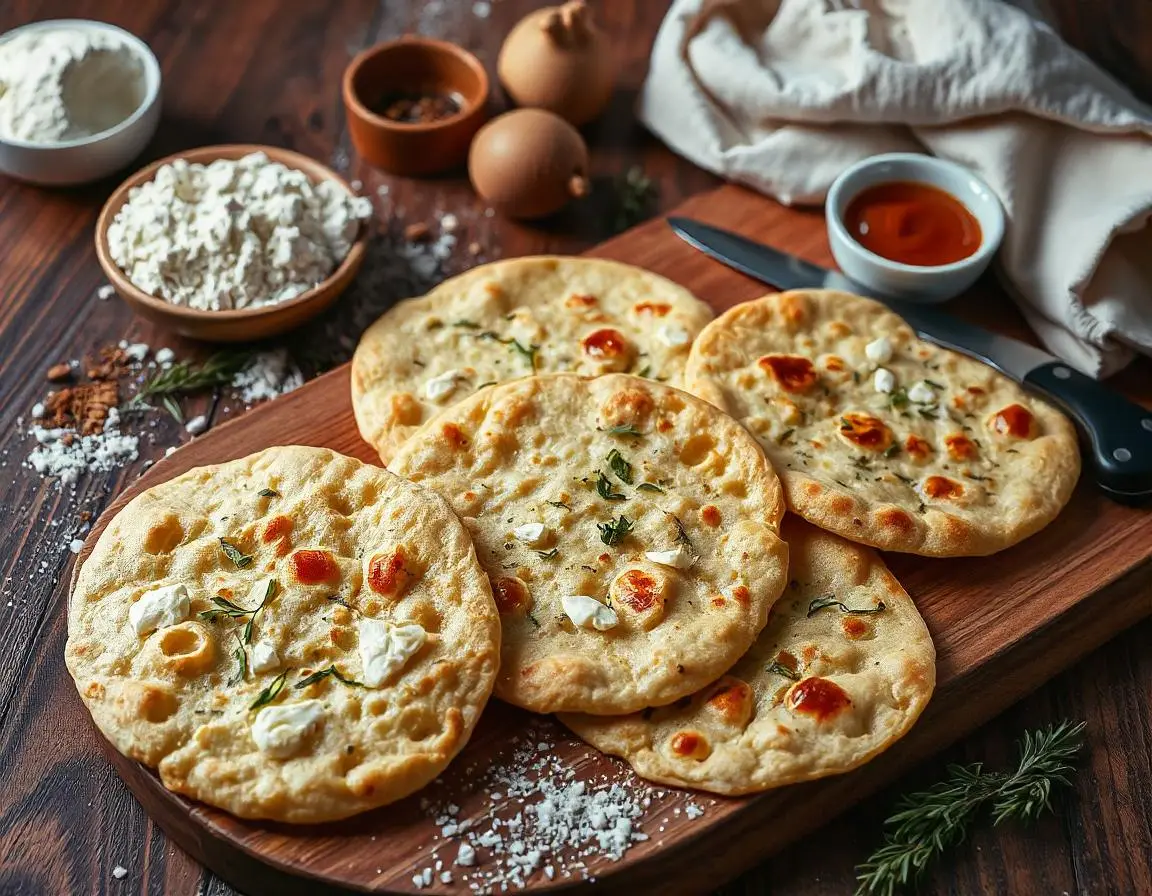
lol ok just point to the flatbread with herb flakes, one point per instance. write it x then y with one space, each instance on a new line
511 319
629 530
293 635
881 437
842 671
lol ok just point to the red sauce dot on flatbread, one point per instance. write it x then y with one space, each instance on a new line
710 515
639 590
741 595
818 697
1015 420
866 431
278 527
787 660
313 567
689 744
581 301
960 447
731 701
854 627
510 593
606 343
834 363
942 487
792 372
454 435
917 447
659 309
386 573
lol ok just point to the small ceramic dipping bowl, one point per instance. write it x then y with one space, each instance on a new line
244 324
412 66
923 283
84 159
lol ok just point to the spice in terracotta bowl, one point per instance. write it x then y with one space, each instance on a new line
420 107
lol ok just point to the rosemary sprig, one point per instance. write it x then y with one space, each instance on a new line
529 352
271 692
324 673
636 196
620 466
929 822
184 377
226 608
821 603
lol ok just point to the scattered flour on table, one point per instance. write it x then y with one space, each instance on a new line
65 454
233 233
539 820
267 375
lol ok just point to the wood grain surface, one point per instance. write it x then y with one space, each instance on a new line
267 71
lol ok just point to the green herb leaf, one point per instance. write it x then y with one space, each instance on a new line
614 531
185 377
821 603
242 659
224 607
933 385
623 429
780 669
604 488
682 533
528 352
535 621
324 673
172 408
269 593
929 822
649 487
548 555
467 324
892 450
268 493
271 692
234 554
559 504
620 466
899 398
784 436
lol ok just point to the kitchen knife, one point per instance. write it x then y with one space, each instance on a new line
1118 431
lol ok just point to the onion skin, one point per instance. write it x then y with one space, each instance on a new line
557 59
528 163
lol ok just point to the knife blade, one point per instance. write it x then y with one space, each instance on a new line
1118 431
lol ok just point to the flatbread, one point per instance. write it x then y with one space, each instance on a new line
821 691
685 603
954 460
509 319
388 565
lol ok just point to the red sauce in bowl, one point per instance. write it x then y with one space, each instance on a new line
913 223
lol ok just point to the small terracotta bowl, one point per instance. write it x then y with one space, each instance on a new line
414 65
243 325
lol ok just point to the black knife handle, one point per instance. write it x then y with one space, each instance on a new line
1119 431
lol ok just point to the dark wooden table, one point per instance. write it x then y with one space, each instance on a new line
268 72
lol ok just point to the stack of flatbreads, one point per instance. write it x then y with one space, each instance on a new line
585 515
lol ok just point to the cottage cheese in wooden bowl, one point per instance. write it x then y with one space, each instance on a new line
232 243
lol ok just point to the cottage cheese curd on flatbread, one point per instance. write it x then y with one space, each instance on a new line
843 669
629 530
294 635
883 438
510 319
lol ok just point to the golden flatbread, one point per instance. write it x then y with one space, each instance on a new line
629 530
294 635
843 669
881 437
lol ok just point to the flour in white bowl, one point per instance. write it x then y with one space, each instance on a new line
66 83
233 233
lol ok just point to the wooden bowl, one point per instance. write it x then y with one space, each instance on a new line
406 65
246 324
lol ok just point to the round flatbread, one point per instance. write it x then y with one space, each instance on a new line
881 437
294 635
843 669
629 529
510 319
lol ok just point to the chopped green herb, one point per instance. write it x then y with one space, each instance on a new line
682 534
784 436
780 669
559 504
324 673
548 555
466 324
645 371
486 385
623 429
892 450
529 353
172 408
933 385
234 554
926 413
242 660
821 603
899 398
534 620
649 487
614 531
620 466
268 493
921 508
604 488
269 593
903 479
224 607
855 376
271 692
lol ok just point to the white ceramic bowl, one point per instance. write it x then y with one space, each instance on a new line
87 158
906 281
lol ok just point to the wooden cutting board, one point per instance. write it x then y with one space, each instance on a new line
1002 625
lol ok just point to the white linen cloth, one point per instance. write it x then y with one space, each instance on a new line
782 95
